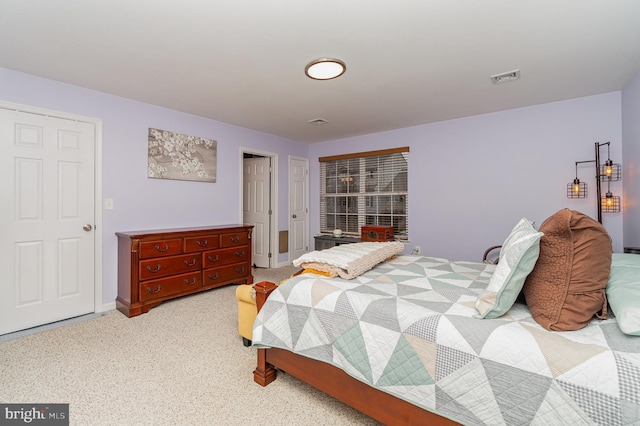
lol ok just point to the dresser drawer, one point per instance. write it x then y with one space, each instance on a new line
214 276
160 248
161 267
235 239
213 259
164 287
206 242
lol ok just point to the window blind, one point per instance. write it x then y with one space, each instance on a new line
369 188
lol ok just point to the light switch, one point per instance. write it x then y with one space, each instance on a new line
108 204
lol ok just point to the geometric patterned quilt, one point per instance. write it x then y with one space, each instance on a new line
408 328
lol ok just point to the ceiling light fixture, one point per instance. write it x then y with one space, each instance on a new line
325 69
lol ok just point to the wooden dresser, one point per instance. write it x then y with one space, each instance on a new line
154 266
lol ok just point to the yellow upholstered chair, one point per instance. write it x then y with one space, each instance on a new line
247 312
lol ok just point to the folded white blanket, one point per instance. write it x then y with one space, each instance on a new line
349 260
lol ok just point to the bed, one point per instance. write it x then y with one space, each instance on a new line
408 342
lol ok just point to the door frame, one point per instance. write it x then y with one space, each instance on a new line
98 305
273 238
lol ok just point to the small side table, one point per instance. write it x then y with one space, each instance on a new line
634 250
327 241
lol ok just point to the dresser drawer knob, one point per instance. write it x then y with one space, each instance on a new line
235 239
150 269
210 259
240 270
240 253
213 277
186 281
202 243
186 262
162 250
156 290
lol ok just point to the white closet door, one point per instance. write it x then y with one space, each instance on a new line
47 219
256 204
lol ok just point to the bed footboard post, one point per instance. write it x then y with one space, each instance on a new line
264 373
263 290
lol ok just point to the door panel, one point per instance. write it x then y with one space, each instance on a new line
256 206
69 274
298 208
28 279
47 179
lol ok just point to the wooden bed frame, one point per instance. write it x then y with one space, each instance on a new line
379 405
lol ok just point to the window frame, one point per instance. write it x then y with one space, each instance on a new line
351 204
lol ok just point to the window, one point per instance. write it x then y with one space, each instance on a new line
367 188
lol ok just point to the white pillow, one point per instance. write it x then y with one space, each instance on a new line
518 256
623 291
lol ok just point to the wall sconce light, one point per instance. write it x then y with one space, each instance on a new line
610 203
610 171
577 189
607 172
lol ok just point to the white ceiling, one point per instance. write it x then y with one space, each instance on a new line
408 62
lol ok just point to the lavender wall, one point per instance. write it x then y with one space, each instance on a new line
140 202
472 179
631 151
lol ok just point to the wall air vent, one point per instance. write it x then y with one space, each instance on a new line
318 121
505 77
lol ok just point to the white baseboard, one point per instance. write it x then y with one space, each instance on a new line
106 307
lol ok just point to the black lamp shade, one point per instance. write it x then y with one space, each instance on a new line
610 203
577 189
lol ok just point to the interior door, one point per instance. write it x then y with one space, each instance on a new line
256 206
47 219
298 207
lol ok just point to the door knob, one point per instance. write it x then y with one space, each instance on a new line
87 227
294 216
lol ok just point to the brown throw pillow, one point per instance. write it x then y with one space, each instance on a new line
567 286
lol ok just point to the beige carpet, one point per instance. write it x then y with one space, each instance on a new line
183 363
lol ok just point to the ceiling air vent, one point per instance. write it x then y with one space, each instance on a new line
505 77
318 121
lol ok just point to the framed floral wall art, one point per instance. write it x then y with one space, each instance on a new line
181 157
